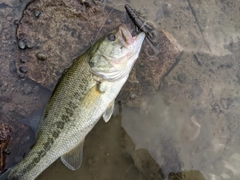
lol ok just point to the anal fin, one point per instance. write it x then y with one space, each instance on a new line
73 158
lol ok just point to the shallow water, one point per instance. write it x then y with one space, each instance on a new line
189 129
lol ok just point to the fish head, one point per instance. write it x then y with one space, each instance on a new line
114 55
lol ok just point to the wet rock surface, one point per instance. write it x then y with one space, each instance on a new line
59 31
12 136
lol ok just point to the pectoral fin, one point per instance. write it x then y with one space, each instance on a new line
109 111
73 158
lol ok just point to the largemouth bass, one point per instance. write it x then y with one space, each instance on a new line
85 93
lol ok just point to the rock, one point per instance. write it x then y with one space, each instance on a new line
41 56
58 37
22 76
4 139
23 69
21 44
12 136
29 45
16 22
62 39
22 60
27 89
148 71
35 89
37 13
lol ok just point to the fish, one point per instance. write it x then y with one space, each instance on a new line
85 93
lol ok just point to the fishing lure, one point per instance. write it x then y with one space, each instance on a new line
150 31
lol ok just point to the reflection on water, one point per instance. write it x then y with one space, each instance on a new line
188 130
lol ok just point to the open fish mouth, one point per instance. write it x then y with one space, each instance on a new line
128 40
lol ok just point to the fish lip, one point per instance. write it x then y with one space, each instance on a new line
138 39
126 37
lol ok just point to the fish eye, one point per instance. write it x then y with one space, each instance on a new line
111 37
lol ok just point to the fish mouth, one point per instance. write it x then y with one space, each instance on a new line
127 39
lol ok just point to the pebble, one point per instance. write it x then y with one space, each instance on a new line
22 60
132 96
59 72
35 89
21 44
16 22
108 21
41 56
21 76
27 90
29 45
37 13
141 64
23 69
7 151
38 45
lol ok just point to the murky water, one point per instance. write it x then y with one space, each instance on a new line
189 129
